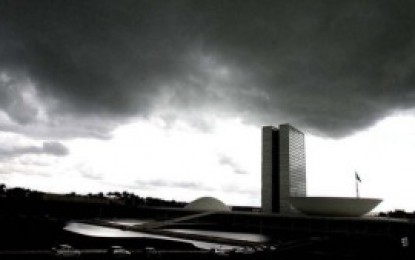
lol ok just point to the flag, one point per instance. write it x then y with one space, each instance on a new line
357 177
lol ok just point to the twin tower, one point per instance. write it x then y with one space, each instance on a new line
283 167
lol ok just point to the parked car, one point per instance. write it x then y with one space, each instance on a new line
219 252
151 252
260 249
118 251
65 250
244 250
272 248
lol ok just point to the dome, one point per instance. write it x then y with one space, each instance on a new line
207 204
334 206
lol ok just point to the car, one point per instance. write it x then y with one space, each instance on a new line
118 251
272 248
259 249
245 250
65 250
219 252
151 252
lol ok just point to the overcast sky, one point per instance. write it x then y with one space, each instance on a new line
167 98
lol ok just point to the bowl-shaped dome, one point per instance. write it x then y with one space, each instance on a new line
207 204
334 206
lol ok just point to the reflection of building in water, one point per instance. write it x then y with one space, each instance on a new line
283 167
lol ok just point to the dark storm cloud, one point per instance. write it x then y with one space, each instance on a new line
326 66
23 110
48 148
13 102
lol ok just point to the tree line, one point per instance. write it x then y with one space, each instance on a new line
124 197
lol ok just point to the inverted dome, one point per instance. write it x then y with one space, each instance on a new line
207 204
334 206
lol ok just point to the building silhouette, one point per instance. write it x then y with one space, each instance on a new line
283 167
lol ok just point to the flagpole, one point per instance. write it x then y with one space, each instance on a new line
357 189
357 180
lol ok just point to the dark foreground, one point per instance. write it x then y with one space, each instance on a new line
25 237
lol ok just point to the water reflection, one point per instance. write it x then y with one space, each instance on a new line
128 222
231 235
99 231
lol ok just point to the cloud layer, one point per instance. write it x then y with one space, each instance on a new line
227 161
330 68
48 148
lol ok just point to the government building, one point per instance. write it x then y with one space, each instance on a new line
283 168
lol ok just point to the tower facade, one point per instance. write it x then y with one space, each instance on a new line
283 167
